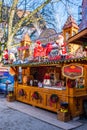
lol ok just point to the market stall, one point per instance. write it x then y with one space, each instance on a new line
51 78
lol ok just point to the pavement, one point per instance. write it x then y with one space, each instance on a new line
41 114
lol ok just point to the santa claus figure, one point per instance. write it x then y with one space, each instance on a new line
5 56
38 50
12 57
62 46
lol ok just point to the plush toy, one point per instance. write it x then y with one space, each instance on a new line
5 56
46 80
39 50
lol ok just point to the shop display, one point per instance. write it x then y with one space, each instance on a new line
48 74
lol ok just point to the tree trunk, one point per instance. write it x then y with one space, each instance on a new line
12 30
10 41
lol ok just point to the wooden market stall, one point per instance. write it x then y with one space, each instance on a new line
53 79
66 90
49 83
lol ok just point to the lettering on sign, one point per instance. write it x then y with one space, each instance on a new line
72 71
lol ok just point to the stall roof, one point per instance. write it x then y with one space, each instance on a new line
50 63
79 38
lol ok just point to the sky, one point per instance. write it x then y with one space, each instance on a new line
56 12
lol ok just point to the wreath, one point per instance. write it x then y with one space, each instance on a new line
54 98
35 95
21 92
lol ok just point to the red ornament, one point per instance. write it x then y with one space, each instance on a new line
38 42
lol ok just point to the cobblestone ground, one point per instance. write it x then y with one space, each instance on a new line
11 119
14 120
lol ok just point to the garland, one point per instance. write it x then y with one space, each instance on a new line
54 98
35 95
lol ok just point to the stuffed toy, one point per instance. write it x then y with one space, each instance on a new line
12 57
46 80
38 50
5 56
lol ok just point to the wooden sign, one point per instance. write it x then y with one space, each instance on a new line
72 71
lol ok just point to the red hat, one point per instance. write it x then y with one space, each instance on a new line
38 42
6 50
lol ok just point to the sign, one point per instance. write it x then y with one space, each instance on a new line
72 71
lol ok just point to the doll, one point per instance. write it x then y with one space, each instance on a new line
5 56
46 80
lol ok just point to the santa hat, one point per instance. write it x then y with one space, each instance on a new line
38 42
6 50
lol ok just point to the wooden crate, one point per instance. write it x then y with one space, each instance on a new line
10 98
63 116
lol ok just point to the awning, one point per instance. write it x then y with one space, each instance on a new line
79 38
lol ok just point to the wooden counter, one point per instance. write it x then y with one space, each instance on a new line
74 97
44 100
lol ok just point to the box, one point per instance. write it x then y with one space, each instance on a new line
63 116
10 98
